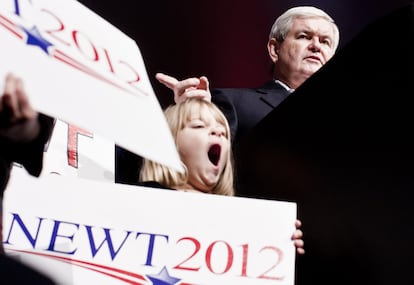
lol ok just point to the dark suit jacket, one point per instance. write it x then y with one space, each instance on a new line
245 107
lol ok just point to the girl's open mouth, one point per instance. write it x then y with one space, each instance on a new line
214 154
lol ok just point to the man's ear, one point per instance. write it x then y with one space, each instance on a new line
273 49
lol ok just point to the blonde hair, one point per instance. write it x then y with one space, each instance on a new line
177 116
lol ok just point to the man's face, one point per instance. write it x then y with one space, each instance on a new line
308 46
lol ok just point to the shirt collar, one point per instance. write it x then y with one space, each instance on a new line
290 90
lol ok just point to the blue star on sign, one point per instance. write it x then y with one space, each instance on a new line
35 38
163 278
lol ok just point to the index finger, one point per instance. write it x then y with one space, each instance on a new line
167 80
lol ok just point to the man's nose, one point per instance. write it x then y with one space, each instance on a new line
315 44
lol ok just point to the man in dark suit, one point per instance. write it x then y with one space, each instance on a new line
301 40
23 134
346 160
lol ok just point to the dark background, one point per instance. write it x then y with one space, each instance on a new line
347 160
222 39
341 147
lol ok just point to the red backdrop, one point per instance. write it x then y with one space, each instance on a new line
222 39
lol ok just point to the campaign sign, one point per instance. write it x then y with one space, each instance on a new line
76 152
81 69
81 231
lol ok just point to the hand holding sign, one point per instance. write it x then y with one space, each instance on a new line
81 69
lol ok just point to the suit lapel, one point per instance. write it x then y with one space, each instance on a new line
272 93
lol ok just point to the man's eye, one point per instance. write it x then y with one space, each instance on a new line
326 42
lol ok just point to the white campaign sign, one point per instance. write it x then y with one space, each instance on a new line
87 232
76 152
81 69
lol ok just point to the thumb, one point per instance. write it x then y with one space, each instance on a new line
204 84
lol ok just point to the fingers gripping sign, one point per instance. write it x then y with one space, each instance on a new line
18 120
